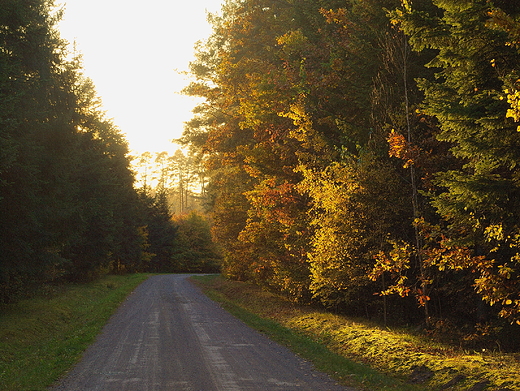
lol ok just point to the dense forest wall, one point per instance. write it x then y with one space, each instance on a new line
365 154
68 207
65 183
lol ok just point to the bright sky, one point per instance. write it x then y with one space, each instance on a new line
131 50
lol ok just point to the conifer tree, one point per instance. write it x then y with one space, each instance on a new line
31 125
65 182
476 65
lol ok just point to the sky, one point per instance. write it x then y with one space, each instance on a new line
133 51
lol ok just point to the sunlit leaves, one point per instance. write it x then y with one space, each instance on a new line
402 149
355 207
307 179
513 98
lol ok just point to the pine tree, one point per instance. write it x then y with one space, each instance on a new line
65 182
475 66
31 102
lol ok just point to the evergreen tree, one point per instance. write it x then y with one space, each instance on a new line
31 126
161 233
476 67
65 182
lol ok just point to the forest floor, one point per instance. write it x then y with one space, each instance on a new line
372 355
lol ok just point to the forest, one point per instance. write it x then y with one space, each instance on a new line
364 155
69 207
359 155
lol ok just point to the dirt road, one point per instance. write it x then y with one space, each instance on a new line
169 336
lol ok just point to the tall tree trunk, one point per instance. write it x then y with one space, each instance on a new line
413 182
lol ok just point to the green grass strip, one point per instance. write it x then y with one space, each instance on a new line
346 371
43 337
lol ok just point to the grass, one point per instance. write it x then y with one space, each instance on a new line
43 337
361 354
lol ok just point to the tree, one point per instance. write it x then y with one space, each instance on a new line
287 91
65 183
240 128
31 101
195 251
469 95
161 233
357 205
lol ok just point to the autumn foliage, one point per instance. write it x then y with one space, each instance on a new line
365 155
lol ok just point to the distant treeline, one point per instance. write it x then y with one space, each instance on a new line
365 154
68 207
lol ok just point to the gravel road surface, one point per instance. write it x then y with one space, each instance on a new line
168 336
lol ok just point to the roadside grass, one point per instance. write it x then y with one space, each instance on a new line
42 337
360 354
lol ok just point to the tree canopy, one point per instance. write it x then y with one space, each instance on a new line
361 149
358 154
